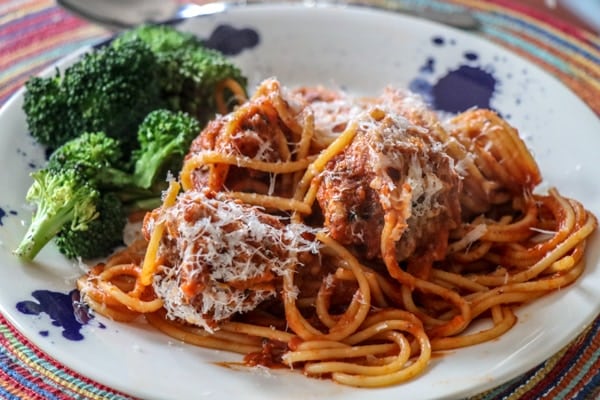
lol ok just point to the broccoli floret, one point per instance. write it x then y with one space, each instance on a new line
96 156
100 160
189 71
102 235
113 88
78 196
164 139
45 106
192 77
62 198
84 189
110 90
160 38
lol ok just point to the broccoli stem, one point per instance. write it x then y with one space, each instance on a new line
44 227
144 204
150 164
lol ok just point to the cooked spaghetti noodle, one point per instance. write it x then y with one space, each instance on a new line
347 237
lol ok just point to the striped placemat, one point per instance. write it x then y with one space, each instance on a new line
34 33
28 373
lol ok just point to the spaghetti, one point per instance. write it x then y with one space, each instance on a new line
347 237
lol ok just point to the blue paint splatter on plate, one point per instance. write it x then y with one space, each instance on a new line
466 86
463 88
422 87
65 310
232 41
429 66
438 40
471 56
4 213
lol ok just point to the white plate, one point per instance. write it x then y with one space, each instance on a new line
363 50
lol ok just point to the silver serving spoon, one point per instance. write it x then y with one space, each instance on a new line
124 14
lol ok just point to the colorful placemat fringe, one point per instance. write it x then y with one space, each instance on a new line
28 373
35 33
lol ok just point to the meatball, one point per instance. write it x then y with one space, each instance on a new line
220 257
392 166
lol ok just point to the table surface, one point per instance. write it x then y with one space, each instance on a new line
562 40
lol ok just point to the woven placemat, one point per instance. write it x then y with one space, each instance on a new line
35 33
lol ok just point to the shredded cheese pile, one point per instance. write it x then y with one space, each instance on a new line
234 251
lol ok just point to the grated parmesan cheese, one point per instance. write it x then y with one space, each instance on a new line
218 242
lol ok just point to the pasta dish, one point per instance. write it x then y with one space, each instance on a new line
347 237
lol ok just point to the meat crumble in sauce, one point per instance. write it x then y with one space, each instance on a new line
254 131
270 356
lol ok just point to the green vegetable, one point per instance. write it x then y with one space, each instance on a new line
110 90
102 235
164 139
89 176
98 157
160 38
73 199
62 198
189 72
